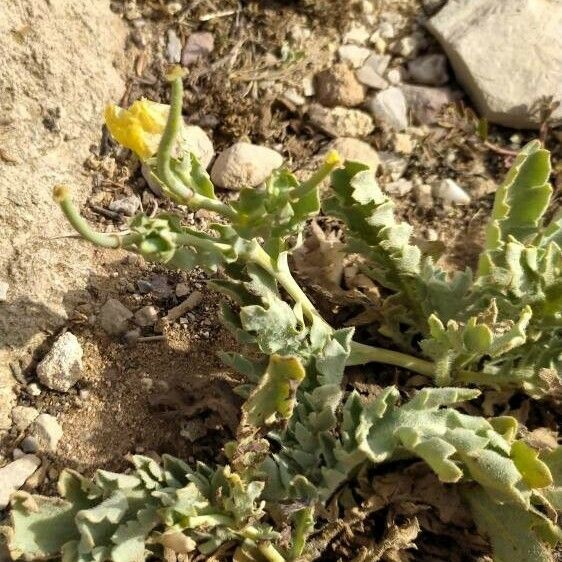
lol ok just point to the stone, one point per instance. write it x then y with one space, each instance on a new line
173 47
431 6
339 86
14 475
410 45
430 70
450 192
182 289
29 445
244 165
399 188
422 193
4 291
371 72
389 109
199 45
114 317
505 54
358 35
23 416
356 150
47 432
292 95
33 389
61 368
341 121
146 316
425 104
195 140
404 143
126 206
394 75
393 165
353 54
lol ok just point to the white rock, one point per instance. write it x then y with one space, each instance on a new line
244 165
341 121
61 368
399 187
14 475
195 140
423 195
386 30
356 150
409 46
358 35
393 165
23 416
114 316
173 47
389 109
507 55
450 192
4 291
47 431
308 86
426 103
126 205
146 316
354 55
430 70
394 76
294 96
371 72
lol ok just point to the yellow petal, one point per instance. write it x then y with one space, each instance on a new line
140 127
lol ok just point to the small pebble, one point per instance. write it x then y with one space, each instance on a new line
146 316
173 47
199 45
354 55
450 192
14 475
388 107
29 445
127 205
33 389
47 432
23 416
182 289
4 291
114 317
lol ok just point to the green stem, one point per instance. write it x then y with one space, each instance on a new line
270 552
201 202
169 136
332 161
61 195
362 354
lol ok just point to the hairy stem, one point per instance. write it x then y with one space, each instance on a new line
169 136
61 194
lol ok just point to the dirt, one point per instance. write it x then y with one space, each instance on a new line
131 397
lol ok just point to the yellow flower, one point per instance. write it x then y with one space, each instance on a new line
140 127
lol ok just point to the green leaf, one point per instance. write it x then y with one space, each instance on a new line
274 397
515 533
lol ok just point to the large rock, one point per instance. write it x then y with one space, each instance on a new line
14 475
61 64
506 54
339 86
61 368
341 121
356 150
244 165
